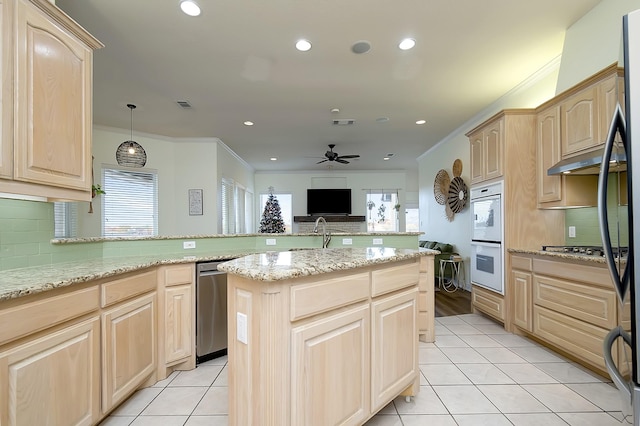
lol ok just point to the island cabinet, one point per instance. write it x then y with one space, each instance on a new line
569 305
328 349
426 300
46 114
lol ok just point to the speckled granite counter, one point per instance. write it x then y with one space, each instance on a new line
16 283
274 266
561 255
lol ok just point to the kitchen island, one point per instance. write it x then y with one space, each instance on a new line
322 337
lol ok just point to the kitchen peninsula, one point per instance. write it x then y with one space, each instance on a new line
140 293
324 336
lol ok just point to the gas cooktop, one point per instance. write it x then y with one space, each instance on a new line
586 250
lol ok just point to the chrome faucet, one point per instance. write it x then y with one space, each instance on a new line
326 236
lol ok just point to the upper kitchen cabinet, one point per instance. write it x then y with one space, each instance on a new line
558 191
47 102
586 111
487 144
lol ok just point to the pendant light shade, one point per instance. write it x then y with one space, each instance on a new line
130 153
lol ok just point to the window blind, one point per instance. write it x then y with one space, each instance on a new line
240 210
130 203
65 219
227 203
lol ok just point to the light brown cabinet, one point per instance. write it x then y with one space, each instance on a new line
320 369
128 348
570 305
579 122
426 300
176 324
337 360
47 104
394 326
53 379
558 191
487 145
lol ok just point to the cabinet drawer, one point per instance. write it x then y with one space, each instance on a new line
177 275
521 262
124 288
594 305
28 318
321 296
576 337
488 302
394 278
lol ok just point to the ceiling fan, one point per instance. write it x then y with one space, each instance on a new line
333 156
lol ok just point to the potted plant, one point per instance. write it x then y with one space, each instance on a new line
95 190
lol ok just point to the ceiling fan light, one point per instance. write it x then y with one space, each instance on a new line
190 7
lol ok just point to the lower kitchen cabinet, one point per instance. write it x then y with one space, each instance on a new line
569 304
488 302
426 300
394 327
178 317
52 379
128 348
320 368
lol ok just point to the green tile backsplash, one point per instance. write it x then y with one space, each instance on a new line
27 227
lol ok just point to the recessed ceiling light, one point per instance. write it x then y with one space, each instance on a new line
273 158
248 123
190 7
303 45
407 44
335 110
421 122
382 119
386 158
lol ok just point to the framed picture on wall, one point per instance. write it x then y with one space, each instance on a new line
195 202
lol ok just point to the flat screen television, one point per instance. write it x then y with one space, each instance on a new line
328 201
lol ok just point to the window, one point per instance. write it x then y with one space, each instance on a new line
236 201
130 203
412 221
381 211
286 211
65 219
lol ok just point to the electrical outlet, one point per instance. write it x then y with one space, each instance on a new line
241 328
189 244
347 241
572 232
377 241
270 241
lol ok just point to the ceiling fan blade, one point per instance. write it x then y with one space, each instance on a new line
349 156
340 160
321 161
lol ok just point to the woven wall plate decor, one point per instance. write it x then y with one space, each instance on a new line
441 186
458 195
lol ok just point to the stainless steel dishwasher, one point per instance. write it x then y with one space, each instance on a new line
211 311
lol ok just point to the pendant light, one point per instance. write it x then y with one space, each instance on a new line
130 153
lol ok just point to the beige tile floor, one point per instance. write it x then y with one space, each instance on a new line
474 374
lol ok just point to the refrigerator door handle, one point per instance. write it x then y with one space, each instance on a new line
623 386
617 125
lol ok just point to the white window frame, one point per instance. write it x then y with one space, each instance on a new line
392 218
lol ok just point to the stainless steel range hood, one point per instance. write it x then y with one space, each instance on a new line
589 163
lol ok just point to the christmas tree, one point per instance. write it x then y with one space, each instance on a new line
271 222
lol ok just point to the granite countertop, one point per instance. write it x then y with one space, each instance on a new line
20 282
561 255
192 237
15 283
275 266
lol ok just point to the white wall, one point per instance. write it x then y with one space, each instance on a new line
181 164
297 183
594 42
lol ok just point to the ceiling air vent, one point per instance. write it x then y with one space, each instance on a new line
184 104
343 122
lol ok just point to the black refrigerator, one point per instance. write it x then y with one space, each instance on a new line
617 223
